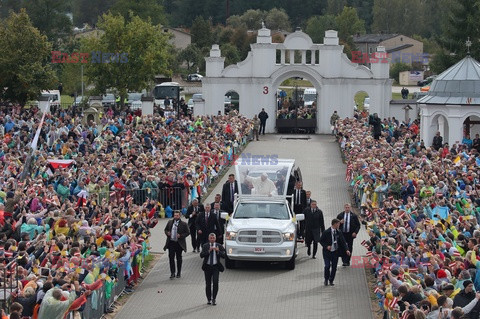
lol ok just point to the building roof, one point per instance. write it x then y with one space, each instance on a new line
373 38
399 48
460 84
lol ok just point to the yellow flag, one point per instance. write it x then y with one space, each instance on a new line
457 160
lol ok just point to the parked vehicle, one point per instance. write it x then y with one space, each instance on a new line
309 96
197 97
366 104
108 100
134 101
427 81
418 95
195 77
164 90
262 227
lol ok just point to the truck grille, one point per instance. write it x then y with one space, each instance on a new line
259 237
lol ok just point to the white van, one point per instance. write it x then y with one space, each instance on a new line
309 96
262 227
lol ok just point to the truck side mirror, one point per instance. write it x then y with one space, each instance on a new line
223 215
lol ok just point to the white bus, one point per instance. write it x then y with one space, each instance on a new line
309 96
164 90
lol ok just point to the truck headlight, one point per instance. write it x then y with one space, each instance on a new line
290 236
231 235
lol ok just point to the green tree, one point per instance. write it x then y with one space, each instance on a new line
145 46
385 16
201 32
231 54
235 22
277 19
317 25
145 9
49 16
25 67
348 24
253 19
88 11
335 6
396 68
192 56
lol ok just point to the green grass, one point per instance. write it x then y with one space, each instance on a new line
360 98
67 99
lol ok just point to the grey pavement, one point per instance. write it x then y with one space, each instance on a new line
264 290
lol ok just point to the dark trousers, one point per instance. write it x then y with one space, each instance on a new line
174 250
349 240
309 239
193 235
262 127
301 229
211 276
331 260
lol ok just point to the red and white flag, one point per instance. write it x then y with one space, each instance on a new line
402 214
399 248
377 290
369 254
56 163
426 264
456 254
412 269
364 244
452 265
393 303
404 315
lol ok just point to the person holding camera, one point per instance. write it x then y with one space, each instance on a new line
376 124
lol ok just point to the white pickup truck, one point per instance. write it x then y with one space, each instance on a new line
263 226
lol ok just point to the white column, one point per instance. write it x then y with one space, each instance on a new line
455 130
292 56
313 52
441 126
282 56
304 57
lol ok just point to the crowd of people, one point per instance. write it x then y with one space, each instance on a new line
75 216
420 206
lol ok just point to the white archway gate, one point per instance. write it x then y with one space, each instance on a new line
325 65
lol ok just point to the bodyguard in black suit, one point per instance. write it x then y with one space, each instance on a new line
212 266
333 243
206 223
176 231
192 213
350 226
230 188
309 199
299 205
314 226
218 199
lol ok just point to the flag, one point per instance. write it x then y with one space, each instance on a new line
457 160
451 265
377 290
39 129
456 254
426 264
399 247
56 163
404 315
349 173
393 303
369 214
369 254
402 214
413 269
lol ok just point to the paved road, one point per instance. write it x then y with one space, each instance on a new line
259 290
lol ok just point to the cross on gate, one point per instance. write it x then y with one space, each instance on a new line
468 44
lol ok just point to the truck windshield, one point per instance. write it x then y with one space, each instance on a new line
310 97
261 210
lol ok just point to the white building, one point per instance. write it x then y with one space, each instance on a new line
257 78
452 104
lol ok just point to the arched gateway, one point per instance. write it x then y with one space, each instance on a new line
257 78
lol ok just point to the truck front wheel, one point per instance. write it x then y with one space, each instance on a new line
290 265
229 264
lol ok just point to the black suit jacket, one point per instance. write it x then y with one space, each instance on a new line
188 215
354 222
326 240
227 196
212 226
182 230
213 204
314 220
303 201
205 254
